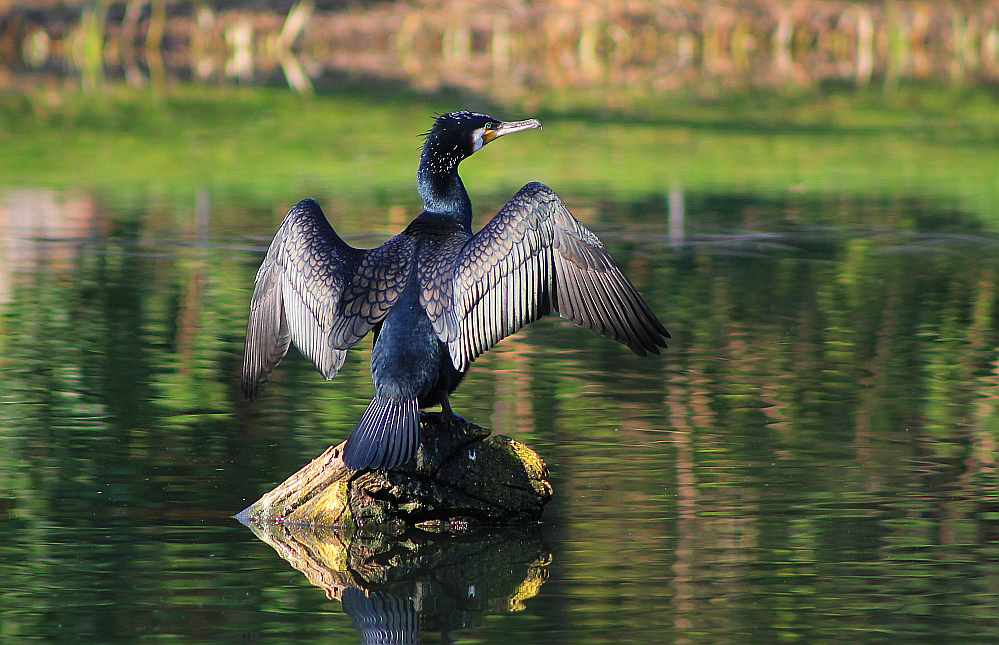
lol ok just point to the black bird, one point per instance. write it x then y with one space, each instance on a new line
435 295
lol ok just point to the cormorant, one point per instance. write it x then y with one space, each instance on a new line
436 296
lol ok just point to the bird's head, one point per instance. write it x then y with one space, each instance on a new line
457 135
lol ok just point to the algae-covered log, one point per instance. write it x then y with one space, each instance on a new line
460 476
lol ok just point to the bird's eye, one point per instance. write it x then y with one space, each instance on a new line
490 126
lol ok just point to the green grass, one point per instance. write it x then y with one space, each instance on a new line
270 143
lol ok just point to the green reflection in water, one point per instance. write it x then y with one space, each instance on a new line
813 459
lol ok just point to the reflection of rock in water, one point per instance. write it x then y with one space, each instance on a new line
392 586
382 618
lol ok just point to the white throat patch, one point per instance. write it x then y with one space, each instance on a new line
477 139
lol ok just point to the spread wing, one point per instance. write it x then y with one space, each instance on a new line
531 259
297 297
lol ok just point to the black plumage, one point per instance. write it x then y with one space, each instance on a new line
436 296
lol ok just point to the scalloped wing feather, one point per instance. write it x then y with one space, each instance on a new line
534 257
297 296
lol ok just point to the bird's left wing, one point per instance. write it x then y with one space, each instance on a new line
533 258
297 297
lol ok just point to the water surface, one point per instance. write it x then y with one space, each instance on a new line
813 459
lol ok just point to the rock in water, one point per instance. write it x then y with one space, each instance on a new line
461 477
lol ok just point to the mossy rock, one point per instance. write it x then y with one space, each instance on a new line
461 477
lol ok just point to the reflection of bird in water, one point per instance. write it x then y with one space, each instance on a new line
435 295
382 619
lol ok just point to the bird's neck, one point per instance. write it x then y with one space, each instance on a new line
441 188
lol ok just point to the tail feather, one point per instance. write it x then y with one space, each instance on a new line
385 437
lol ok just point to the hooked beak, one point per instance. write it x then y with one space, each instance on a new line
509 126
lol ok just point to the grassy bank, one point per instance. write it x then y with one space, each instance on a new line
271 144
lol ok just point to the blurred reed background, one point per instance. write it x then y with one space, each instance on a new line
609 53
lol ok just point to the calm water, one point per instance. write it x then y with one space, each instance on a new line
813 459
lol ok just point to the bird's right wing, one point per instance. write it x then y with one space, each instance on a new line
297 297
533 258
